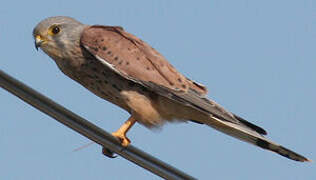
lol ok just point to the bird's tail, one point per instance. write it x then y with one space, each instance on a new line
252 136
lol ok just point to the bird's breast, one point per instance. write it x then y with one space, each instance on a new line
146 106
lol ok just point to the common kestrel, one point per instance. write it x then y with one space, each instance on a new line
121 68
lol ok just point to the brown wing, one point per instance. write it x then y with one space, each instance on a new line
137 61
135 58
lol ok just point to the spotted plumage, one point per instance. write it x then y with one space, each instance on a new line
120 68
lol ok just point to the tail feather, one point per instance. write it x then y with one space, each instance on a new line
281 150
222 120
254 137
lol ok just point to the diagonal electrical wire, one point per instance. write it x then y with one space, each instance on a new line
88 129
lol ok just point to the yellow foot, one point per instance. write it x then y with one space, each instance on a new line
120 134
124 142
122 138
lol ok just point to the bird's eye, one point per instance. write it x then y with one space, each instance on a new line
55 29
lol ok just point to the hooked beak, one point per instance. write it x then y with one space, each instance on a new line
38 41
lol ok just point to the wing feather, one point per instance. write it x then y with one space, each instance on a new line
135 60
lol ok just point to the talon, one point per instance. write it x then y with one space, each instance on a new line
124 142
108 153
120 134
122 138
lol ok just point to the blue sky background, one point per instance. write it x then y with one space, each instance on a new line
256 57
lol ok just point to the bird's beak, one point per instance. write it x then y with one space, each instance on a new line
38 41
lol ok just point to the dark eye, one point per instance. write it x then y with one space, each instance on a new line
55 30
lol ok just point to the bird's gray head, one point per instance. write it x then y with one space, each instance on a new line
57 35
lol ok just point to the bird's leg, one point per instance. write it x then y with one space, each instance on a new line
121 135
121 132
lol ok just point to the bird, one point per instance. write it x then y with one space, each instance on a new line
121 68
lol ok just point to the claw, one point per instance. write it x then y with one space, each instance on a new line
120 134
122 138
108 153
124 142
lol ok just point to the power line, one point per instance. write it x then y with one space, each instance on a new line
88 129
